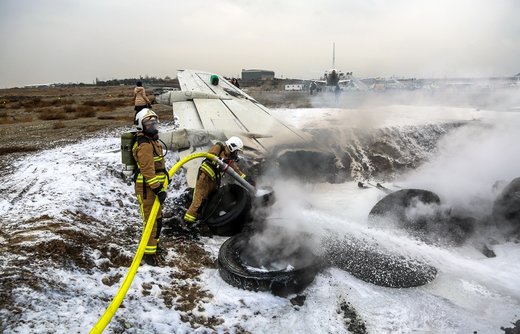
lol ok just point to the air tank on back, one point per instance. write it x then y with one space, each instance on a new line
127 158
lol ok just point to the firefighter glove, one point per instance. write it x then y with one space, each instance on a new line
161 194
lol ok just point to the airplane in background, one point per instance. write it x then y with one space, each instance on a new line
336 78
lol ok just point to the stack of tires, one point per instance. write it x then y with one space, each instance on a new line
244 264
273 259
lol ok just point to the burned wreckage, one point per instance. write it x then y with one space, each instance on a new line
210 109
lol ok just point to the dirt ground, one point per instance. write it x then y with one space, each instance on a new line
32 119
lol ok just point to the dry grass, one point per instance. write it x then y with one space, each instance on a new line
24 119
85 111
58 125
112 104
7 119
106 117
19 102
52 115
17 149
58 108
129 118
105 103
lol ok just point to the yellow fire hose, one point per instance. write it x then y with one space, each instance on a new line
123 289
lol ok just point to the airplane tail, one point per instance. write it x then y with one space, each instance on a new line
333 55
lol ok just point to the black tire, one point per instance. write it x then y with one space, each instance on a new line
393 206
437 227
238 256
506 208
227 211
369 263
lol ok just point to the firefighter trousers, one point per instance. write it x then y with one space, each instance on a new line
146 198
204 187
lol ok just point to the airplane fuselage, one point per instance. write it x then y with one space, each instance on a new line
332 77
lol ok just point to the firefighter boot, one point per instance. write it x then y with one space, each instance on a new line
151 260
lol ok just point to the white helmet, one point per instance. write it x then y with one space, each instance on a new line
234 144
142 115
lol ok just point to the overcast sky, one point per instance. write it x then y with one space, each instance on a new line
49 41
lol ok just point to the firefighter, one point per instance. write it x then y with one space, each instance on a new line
150 176
208 178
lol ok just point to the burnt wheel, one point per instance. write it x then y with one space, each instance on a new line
284 268
227 210
419 213
506 208
395 205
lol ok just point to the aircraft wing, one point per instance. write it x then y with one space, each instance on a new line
224 110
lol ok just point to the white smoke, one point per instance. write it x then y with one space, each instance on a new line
470 161
468 164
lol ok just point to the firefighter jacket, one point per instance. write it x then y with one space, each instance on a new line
211 168
148 154
208 179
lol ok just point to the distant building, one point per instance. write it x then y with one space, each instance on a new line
251 75
297 87
40 85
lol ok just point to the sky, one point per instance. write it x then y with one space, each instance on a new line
50 41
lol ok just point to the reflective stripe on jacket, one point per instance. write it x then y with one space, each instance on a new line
211 168
148 154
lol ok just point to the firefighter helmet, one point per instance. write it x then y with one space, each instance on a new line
234 144
143 115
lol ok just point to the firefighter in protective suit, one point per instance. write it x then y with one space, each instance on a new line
208 179
150 176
